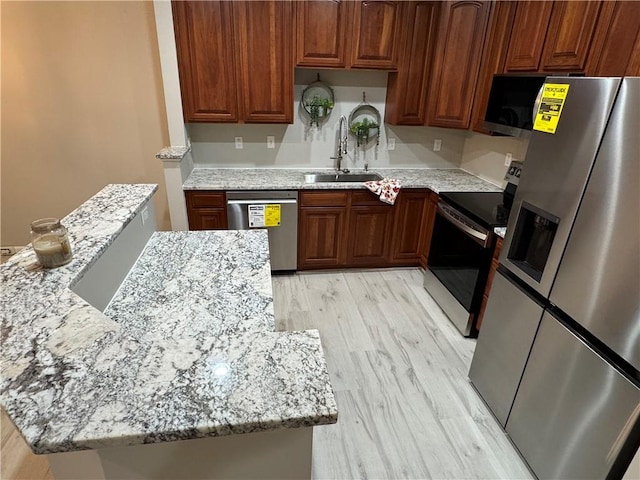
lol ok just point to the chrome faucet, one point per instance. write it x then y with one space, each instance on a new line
342 144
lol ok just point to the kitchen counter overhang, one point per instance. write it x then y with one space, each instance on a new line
185 349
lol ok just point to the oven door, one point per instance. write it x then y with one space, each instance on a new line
458 265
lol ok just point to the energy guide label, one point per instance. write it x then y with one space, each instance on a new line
264 215
552 101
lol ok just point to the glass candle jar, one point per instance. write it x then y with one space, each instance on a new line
50 242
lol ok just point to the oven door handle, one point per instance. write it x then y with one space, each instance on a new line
478 237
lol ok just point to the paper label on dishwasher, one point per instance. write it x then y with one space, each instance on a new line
548 115
264 215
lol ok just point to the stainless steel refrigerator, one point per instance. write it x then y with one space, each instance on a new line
558 356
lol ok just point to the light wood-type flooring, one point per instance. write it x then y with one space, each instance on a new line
399 371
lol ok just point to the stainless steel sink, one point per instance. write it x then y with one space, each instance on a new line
341 177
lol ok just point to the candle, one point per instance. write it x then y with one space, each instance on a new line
50 242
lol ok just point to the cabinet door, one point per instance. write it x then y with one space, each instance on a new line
569 36
207 219
407 89
369 234
493 58
408 228
616 41
460 40
492 273
322 33
429 217
528 35
376 34
321 237
204 41
264 42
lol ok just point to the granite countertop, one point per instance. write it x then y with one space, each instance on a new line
500 231
436 179
186 348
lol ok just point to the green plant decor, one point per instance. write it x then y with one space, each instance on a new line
318 108
362 130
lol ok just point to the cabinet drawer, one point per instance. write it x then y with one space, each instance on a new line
324 198
366 197
206 199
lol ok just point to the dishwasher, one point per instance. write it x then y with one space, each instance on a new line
277 211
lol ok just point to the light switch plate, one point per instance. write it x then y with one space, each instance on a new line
271 141
238 143
437 145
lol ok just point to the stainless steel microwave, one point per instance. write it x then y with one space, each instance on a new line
511 104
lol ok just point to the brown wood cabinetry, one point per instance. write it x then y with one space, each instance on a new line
206 210
348 34
409 229
461 35
235 60
616 42
492 272
206 60
428 220
321 36
530 27
266 60
552 36
352 228
408 87
322 221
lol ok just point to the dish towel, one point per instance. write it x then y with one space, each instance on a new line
387 189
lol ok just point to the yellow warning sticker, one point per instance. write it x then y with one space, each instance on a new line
264 216
272 215
548 115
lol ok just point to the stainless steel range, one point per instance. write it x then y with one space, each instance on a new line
461 249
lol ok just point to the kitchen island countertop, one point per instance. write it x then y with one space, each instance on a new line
435 179
186 349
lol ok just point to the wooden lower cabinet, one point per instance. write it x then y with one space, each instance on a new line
492 274
206 210
369 235
321 233
354 229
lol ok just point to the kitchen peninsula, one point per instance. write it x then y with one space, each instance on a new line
132 359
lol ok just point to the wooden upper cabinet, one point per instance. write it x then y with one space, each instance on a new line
571 30
264 43
459 47
493 58
616 43
376 34
322 33
206 61
529 31
408 87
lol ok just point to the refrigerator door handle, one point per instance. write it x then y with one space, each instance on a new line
536 104
480 237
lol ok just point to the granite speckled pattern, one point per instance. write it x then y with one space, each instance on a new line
500 231
159 364
436 179
172 153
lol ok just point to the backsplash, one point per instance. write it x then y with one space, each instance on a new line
484 155
300 146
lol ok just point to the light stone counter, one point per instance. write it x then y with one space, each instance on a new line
186 349
436 179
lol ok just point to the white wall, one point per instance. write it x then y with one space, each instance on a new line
484 155
301 146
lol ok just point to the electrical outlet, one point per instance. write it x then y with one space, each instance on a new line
271 141
391 143
144 215
238 143
507 159
437 145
